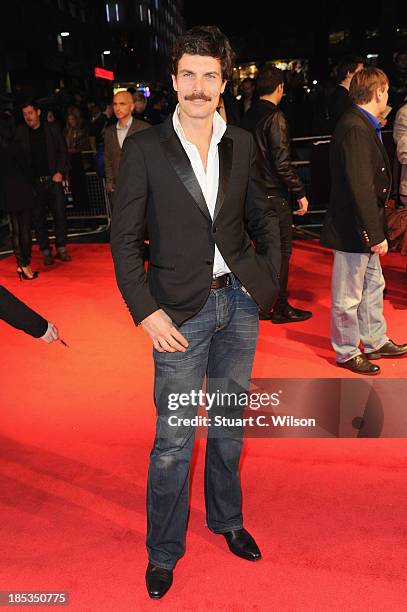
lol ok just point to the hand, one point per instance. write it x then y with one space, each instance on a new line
381 248
303 206
383 122
165 336
51 334
109 187
57 177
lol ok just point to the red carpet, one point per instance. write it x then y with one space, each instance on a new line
77 426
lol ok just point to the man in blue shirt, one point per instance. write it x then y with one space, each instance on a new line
355 228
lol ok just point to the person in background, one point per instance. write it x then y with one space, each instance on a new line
16 196
17 314
400 138
140 107
248 93
75 133
270 130
339 100
115 135
47 156
355 228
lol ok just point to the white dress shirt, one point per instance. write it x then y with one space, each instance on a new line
122 131
209 180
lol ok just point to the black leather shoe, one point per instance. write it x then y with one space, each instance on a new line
62 255
288 314
242 544
390 349
360 365
158 581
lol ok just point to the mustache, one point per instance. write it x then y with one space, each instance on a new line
199 95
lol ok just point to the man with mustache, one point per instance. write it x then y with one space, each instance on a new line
194 182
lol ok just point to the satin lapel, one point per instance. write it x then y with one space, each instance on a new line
225 149
180 162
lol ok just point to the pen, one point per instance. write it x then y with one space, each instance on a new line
63 342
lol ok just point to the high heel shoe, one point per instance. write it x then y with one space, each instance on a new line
23 276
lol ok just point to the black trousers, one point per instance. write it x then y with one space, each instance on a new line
285 217
21 236
50 195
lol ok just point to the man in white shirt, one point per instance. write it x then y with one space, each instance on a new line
194 182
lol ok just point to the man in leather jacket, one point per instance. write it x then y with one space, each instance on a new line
269 127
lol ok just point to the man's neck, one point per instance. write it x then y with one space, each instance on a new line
270 98
124 121
196 130
370 108
345 83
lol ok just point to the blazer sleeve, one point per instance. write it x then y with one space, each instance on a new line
109 156
360 173
127 233
261 219
17 314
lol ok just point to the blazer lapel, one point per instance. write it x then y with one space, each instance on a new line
179 160
378 142
225 149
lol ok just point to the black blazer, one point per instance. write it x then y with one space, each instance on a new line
14 312
360 186
56 146
157 184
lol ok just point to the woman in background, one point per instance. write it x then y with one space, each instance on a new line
16 196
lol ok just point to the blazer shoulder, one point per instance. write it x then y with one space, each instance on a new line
140 125
238 134
145 137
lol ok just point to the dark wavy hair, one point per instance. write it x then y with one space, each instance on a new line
204 40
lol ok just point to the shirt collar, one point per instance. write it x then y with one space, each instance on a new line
126 127
373 120
218 129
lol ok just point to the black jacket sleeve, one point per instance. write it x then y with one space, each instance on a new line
279 150
261 219
128 231
14 312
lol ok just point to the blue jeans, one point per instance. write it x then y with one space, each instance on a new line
357 304
222 341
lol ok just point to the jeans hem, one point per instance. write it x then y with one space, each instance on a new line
165 566
227 529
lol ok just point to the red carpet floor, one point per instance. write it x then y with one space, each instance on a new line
76 429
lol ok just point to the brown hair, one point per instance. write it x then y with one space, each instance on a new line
204 40
365 82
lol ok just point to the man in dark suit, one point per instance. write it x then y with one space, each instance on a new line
194 181
355 228
115 135
270 130
47 155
